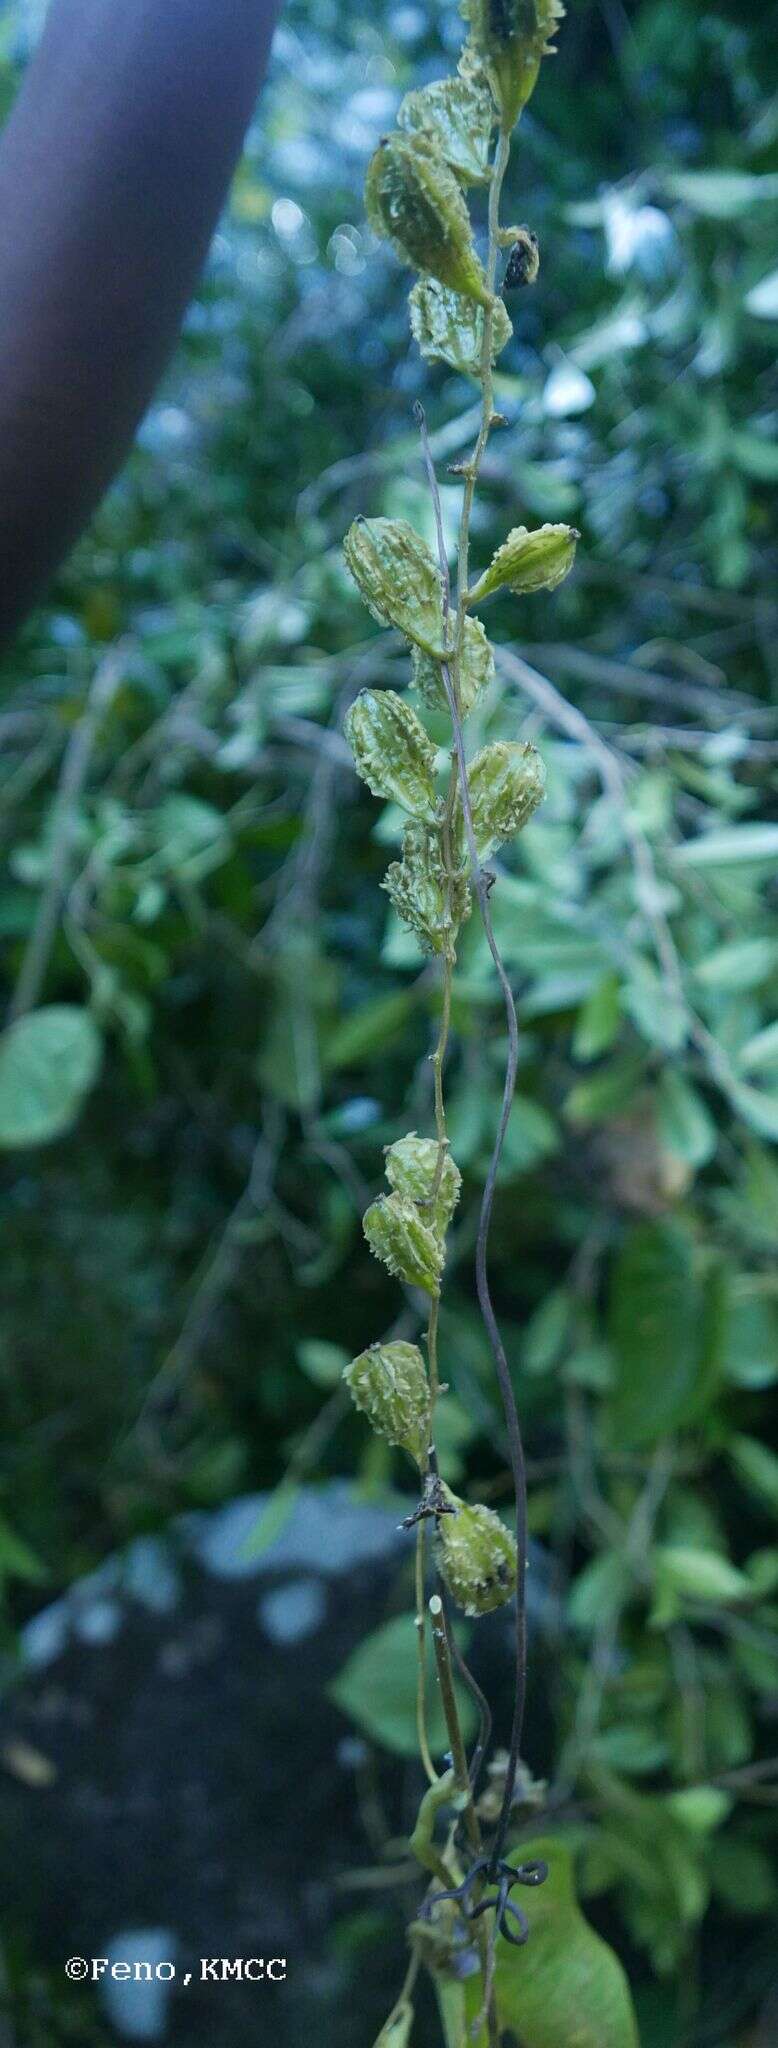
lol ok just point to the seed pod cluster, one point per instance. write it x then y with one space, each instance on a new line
412 1170
388 1382
392 752
396 2031
414 201
430 901
455 115
529 561
408 1247
510 37
450 328
476 1555
476 671
395 574
506 781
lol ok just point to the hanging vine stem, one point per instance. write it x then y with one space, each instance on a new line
481 887
415 199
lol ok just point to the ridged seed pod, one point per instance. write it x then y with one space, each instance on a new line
511 37
398 579
419 891
408 1247
475 1555
507 781
396 2031
388 1382
413 200
456 115
450 328
475 674
411 1166
529 561
392 752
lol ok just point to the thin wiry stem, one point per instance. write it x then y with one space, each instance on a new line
451 682
421 1687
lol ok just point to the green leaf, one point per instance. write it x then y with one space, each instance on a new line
634 1749
49 1061
722 195
599 1592
755 455
566 1989
743 1876
763 297
744 964
656 1011
685 1125
599 1019
17 1560
757 1466
321 1362
607 1093
757 1109
699 1575
367 1030
377 1689
751 1337
667 1328
531 1135
760 1051
548 1332
729 847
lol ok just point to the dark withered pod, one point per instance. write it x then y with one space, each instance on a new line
523 262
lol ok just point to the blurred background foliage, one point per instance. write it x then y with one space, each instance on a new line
191 868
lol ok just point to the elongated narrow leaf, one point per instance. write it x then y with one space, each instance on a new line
667 1328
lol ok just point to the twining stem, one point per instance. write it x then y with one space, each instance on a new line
421 1687
451 673
442 1648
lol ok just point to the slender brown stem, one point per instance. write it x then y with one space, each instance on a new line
421 1687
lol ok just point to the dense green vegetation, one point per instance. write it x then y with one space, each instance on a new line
192 869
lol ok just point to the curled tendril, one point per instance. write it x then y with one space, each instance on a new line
505 1876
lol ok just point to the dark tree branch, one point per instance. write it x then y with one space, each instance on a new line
113 169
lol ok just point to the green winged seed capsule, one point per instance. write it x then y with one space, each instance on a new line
418 889
511 37
414 201
392 751
475 1555
528 561
411 1166
398 579
388 1382
396 2031
475 674
450 328
457 116
408 1247
507 781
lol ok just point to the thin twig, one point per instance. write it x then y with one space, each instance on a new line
75 768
